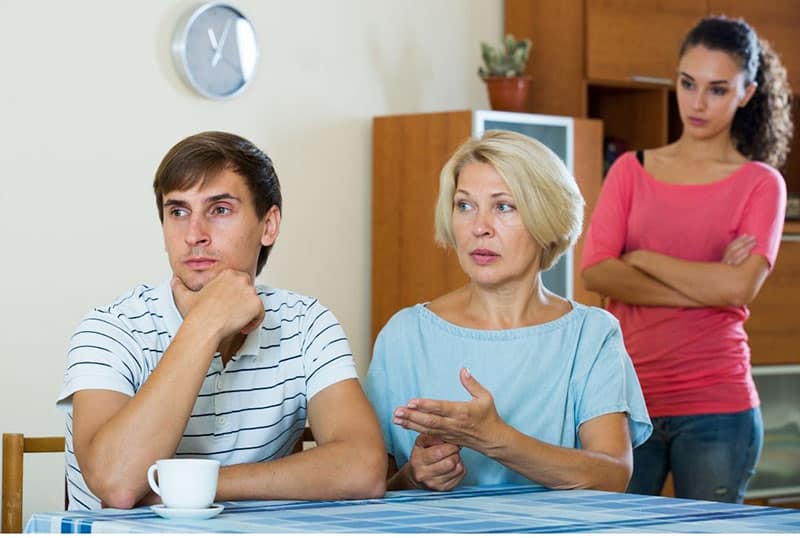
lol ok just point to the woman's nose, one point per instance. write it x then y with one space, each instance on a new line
482 224
699 101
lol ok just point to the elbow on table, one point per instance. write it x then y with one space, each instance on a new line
370 480
115 497
111 492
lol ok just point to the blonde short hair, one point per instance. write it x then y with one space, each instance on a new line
547 196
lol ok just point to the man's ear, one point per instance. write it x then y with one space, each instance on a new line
272 226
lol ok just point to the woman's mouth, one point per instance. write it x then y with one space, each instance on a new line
483 256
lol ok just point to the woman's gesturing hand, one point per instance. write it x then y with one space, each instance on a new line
474 424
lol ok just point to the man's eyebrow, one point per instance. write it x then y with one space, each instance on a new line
169 202
220 197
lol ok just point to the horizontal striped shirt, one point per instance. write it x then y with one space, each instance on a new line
251 410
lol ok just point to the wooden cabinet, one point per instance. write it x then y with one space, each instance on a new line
777 21
408 154
637 40
774 324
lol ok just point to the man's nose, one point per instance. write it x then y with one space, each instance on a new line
197 233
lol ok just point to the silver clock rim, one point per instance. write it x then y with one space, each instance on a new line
179 49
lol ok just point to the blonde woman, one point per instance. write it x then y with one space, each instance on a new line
502 381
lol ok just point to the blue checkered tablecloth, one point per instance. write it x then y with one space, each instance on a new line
518 509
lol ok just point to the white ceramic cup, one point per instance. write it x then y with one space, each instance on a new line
185 483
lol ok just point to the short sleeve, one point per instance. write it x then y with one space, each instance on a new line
102 355
326 351
764 213
378 389
605 237
610 385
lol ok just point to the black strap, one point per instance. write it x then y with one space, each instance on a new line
640 156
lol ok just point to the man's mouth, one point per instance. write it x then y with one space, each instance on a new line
199 264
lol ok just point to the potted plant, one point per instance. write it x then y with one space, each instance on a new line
504 73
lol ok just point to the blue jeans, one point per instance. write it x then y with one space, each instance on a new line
712 457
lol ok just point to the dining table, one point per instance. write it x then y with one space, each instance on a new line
480 509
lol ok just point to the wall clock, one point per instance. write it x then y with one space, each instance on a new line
215 50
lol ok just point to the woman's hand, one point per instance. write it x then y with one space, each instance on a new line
738 250
435 464
474 424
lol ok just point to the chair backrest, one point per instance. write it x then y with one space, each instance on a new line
15 445
307 437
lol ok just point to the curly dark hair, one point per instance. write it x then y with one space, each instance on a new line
762 129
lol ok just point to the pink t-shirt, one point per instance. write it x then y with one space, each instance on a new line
689 360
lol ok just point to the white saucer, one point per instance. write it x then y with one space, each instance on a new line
187 513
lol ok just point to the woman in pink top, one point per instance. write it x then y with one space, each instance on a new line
681 240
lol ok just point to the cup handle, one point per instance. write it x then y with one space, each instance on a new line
151 479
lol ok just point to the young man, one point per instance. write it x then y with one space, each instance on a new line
210 365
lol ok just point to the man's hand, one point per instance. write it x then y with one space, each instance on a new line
474 424
229 303
435 464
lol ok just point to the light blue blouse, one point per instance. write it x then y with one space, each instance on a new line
546 379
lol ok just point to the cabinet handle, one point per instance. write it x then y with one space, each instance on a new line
652 80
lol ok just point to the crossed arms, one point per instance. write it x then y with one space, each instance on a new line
652 279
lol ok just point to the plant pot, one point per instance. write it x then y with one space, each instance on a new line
508 93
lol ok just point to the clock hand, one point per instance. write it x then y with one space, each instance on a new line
222 39
213 39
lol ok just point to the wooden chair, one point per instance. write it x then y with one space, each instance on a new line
15 445
308 437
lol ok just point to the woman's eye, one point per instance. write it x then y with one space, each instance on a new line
461 205
505 208
686 84
717 90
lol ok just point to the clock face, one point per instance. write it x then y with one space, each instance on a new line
215 50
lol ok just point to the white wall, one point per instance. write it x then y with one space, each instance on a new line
89 103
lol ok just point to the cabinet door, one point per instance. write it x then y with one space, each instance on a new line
777 21
774 323
408 154
637 40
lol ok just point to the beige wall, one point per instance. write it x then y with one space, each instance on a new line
89 102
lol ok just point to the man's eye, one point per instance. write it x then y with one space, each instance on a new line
178 212
221 210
